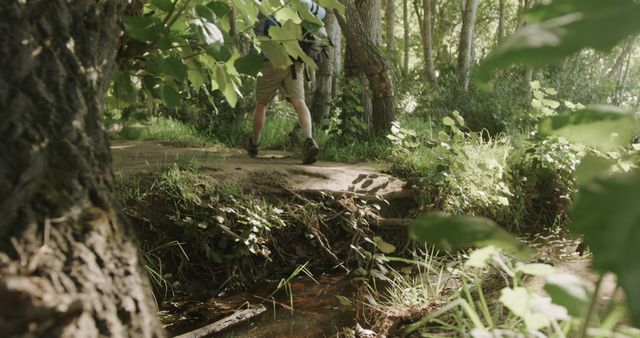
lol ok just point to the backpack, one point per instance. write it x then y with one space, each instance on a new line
315 45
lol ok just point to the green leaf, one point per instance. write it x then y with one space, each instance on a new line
384 246
332 4
591 167
456 232
170 96
287 14
447 121
568 291
344 301
481 257
205 13
165 5
519 301
564 27
124 89
276 54
221 53
220 8
603 127
143 28
173 66
607 214
249 64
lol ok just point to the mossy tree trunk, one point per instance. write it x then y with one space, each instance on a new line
373 63
68 264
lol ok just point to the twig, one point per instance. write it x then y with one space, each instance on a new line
234 319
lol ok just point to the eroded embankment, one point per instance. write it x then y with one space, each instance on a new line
216 223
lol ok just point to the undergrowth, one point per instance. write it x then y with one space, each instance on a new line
161 128
520 181
196 228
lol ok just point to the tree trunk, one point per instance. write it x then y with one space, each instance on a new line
370 14
407 44
427 43
322 97
336 38
371 17
375 66
391 26
501 21
68 264
469 10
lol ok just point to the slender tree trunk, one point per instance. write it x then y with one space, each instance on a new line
427 43
621 82
391 25
617 66
336 37
68 265
469 10
501 21
407 43
324 76
374 64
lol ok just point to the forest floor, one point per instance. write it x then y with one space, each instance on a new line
259 173
319 308
319 311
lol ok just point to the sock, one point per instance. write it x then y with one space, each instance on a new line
306 133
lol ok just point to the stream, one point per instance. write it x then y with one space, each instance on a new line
317 310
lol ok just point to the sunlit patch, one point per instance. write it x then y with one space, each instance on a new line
36 52
71 45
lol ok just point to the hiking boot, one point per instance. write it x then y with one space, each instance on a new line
310 151
252 149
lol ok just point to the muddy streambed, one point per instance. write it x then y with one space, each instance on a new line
317 310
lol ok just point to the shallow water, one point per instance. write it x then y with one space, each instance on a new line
316 312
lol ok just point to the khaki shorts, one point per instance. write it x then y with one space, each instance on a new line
272 78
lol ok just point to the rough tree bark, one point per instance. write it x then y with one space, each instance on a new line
68 264
324 77
373 64
465 47
370 12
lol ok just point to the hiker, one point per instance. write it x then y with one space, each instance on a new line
291 79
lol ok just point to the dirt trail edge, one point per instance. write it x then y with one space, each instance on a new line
264 173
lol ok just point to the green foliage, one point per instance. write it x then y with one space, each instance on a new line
521 310
457 232
179 48
348 122
562 28
164 129
609 206
542 180
214 221
602 127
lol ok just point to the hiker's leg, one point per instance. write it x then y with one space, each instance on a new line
304 116
266 88
258 122
294 91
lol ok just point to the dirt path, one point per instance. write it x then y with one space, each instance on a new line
270 168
